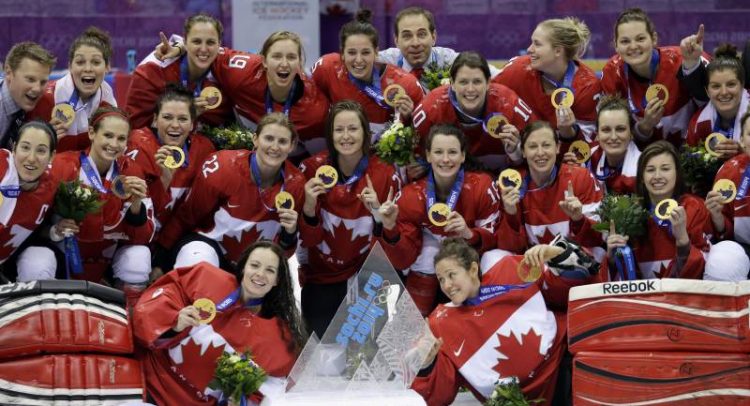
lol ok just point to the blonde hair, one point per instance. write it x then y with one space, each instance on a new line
280 36
570 33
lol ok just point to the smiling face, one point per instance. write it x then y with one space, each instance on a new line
634 43
445 156
457 282
613 132
26 83
173 123
415 39
273 145
541 51
725 92
660 177
359 56
260 274
348 134
88 68
110 140
470 87
32 154
282 62
540 151
202 46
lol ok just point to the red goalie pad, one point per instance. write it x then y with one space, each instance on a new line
62 317
71 379
601 378
659 315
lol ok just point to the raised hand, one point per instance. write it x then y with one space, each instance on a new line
572 207
388 211
369 198
615 240
313 188
457 226
691 48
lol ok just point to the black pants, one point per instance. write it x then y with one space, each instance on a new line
320 303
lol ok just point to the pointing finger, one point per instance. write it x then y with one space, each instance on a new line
570 192
699 35
612 229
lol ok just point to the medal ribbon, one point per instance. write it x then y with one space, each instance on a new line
717 127
232 299
606 171
185 149
73 101
527 181
185 77
466 116
567 79
93 175
624 259
359 170
73 262
454 193
744 184
373 90
11 191
661 223
287 103
654 64
256 177
488 292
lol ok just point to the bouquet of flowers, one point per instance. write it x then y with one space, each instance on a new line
699 168
232 137
396 144
75 200
237 376
436 75
509 394
626 211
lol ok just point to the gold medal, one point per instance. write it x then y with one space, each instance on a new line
1 200
713 140
438 214
118 188
176 157
64 112
663 210
510 178
206 310
212 96
495 125
528 273
657 90
392 93
328 175
726 188
284 200
562 97
581 150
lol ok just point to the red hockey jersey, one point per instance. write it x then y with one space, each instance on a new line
510 335
225 205
437 108
142 146
149 81
527 83
418 240
339 243
20 216
615 181
331 76
539 217
178 369
736 213
674 123
101 232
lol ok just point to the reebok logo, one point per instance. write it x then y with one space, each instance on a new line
614 288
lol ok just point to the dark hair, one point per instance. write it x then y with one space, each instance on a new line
459 250
339 107
726 58
203 18
39 125
280 36
102 112
537 125
279 119
175 92
30 50
415 11
449 129
614 102
279 301
470 59
360 25
95 38
635 14
654 149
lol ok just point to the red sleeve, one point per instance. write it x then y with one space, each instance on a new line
203 200
147 83
729 170
509 75
144 233
311 235
698 224
411 85
426 113
408 233
511 232
588 191
611 81
693 137
321 72
441 385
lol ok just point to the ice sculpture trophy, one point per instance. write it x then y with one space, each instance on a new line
369 353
